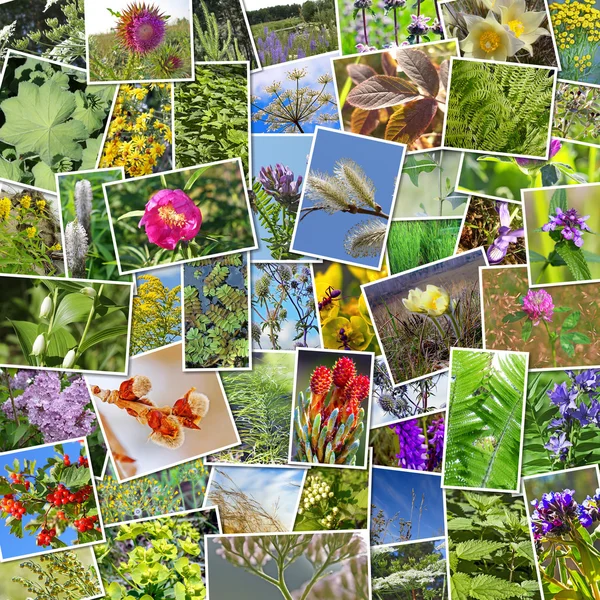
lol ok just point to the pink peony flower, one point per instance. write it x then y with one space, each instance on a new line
538 305
169 217
141 28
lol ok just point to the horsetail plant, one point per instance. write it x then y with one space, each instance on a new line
327 428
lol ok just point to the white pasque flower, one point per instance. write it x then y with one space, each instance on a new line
489 39
495 5
525 24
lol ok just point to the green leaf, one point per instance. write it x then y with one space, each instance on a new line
572 320
26 334
574 337
460 524
550 175
91 114
477 549
493 159
513 317
75 476
131 213
103 335
488 587
413 168
527 330
461 586
37 120
89 157
575 260
73 308
558 200
189 184
536 257
44 176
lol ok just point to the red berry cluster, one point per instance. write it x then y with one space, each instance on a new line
83 462
13 507
18 478
44 537
62 495
85 523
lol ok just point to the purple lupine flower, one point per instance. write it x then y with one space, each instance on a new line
589 509
413 450
563 397
418 25
573 226
279 182
559 445
532 163
301 53
436 433
499 247
554 515
313 45
538 305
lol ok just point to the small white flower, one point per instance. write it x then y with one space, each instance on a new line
69 359
39 345
90 292
46 308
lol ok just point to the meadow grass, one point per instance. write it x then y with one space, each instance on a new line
412 244
259 28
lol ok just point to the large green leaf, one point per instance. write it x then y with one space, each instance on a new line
575 260
89 110
101 336
26 334
73 308
44 176
39 120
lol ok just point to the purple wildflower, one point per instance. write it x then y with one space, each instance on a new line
538 305
589 509
365 48
141 28
497 251
436 442
279 182
413 450
554 514
391 4
437 27
573 226
587 381
418 25
563 397
362 4
301 53
313 45
559 445
531 163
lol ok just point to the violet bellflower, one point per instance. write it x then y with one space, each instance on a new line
563 397
570 224
413 450
554 515
538 305
497 251
559 445
587 381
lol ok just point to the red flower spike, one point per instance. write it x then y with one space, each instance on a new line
358 389
321 380
343 371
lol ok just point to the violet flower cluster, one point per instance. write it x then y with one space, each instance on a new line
558 514
575 411
570 225
55 404
538 305
272 51
280 183
506 236
418 451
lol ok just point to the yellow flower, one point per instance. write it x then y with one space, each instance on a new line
488 39
434 301
523 23
56 248
41 204
25 201
5 206
31 231
357 333
495 5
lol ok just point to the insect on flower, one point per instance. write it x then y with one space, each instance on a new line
331 294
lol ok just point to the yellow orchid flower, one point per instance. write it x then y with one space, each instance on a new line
489 39
525 24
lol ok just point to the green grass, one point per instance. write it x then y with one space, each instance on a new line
412 244
258 29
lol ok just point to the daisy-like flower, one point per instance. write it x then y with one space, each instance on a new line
141 28
489 39
169 217
525 24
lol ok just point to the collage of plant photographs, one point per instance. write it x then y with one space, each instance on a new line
298 299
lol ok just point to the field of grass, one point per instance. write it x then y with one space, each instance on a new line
412 244
259 29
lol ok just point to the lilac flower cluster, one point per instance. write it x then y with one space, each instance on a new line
557 514
279 182
418 451
575 412
538 305
506 236
570 224
55 404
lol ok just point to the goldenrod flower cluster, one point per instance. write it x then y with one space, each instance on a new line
139 134
577 28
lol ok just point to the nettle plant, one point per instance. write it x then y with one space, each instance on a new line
216 312
53 121
411 103
57 496
490 549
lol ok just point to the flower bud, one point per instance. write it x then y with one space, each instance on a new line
39 345
88 291
46 308
69 359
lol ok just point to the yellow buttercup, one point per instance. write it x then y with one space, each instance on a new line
434 301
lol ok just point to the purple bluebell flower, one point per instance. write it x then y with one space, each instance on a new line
589 509
506 236
413 450
572 225
554 515
559 445
418 25
563 397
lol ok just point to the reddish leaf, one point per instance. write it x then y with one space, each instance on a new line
381 91
388 64
416 64
364 121
410 120
444 68
360 73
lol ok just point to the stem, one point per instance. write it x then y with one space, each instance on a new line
12 399
364 19
89 320
396 26
418 15
542 271
454 324
438 327
552 344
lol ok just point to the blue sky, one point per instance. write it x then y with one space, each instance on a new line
288 331
392 492
267 485
289 150
11 546
316 66
323 234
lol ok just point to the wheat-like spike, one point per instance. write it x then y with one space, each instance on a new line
356 182
327 193
366 238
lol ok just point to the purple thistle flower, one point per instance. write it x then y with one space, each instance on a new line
141 28
538 305
413 450
279 182
573 226
563 397
418 25
436 433
559 445
499 247
531 163
554 515
589 509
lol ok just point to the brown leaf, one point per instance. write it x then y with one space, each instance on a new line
360 73
388 64
381 91
364 121
410 120
416 64
444 69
